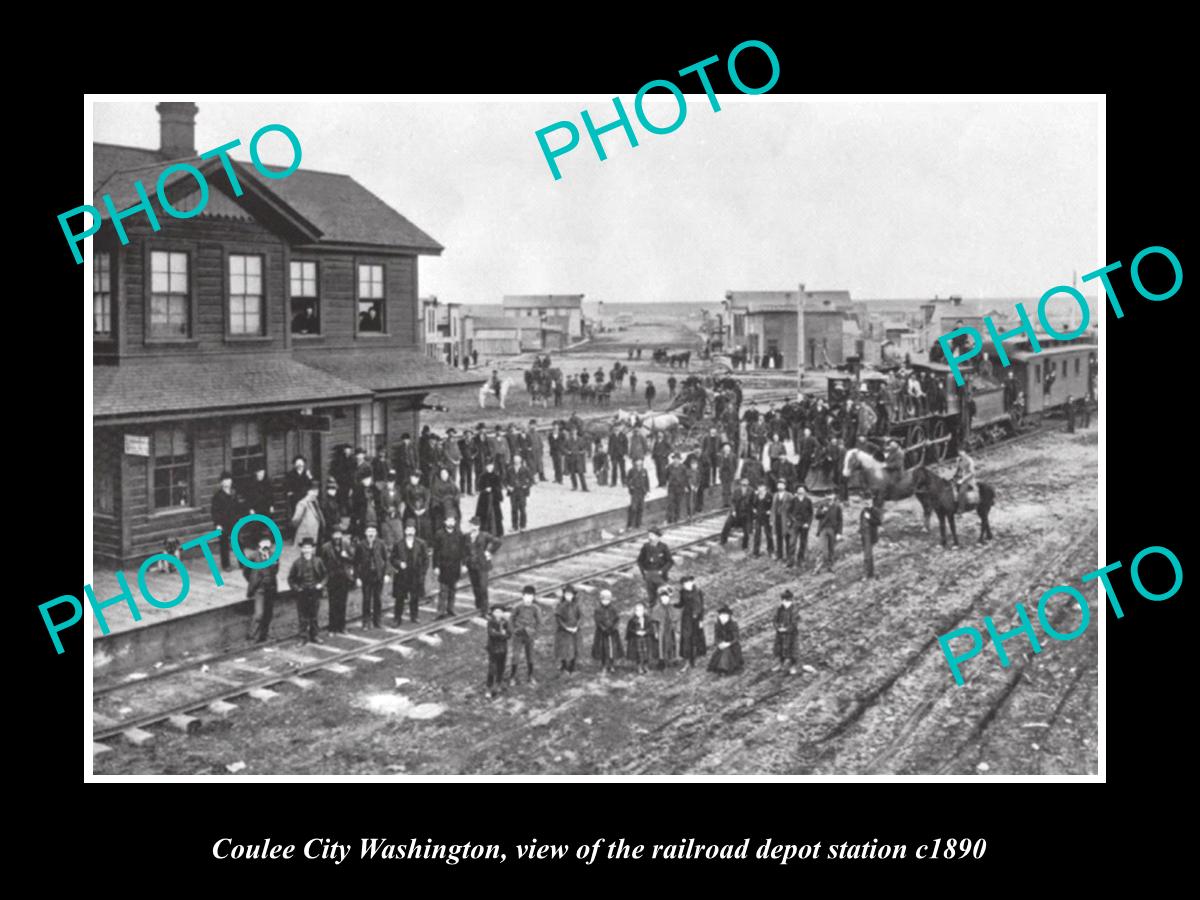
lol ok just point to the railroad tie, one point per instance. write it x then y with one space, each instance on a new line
98 748
263 694
184 723
453 629
337 668
479 620
305 684
137 736
369 657
358 637
221 708
431 639
400 648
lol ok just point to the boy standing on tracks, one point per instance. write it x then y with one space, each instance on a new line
307 578
638 484
498 634
525 619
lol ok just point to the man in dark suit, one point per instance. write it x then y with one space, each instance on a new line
405 455
781 509
519 484
618 449
576 449
450 549
557 443
727 466
481 546
410 561
638 485
259 496
710 453
226 510
760 511
741 513
829 528
807 448
262 587
655 562
799 522
338 555
468 452
373 572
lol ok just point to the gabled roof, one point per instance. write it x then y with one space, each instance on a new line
340 209
543 301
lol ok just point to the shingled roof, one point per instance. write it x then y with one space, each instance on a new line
389 371
209 384
340 208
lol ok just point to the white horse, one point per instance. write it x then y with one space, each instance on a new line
652 420
486 390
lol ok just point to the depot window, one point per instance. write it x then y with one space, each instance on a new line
102 294
247 450
171 484
370 299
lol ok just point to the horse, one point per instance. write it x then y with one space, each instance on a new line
940 496
500 393
880 483
654 421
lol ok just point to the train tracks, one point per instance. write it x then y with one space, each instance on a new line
186 694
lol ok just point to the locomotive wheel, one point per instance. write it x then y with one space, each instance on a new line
916 437
937 452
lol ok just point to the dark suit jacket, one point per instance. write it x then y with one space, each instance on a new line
371 561
226 509
415 558
477 547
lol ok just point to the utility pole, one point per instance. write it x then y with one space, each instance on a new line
800 339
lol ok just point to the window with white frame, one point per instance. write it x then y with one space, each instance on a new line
102 324
245 295
170 303
306 299
372 427
370 298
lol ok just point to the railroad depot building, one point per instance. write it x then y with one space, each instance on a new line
279 323
764 323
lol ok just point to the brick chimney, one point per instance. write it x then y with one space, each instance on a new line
177 128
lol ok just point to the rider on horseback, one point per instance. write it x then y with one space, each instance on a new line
494 383
965 489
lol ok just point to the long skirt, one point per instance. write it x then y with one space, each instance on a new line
727 661
566 645
641 650
691 638
606 646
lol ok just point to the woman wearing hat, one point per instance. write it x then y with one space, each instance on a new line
727 658
567 619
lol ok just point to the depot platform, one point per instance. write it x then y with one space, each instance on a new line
212 619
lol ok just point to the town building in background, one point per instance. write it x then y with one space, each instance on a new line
557 309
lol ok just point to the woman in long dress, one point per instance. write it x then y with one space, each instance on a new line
567 618
691 618
727 658
606 645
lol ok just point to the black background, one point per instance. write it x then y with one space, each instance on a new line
125 829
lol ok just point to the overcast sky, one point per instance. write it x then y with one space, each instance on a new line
882 199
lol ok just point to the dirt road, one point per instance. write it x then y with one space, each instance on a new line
882 699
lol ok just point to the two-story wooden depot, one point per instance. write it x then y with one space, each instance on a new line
279 323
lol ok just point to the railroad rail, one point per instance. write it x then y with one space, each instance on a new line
595 563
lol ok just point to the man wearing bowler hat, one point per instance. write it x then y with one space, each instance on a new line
307 579
226 509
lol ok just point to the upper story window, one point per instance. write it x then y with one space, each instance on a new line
430 322
170 305
172 484
246 295
102 294
306 300
370 298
